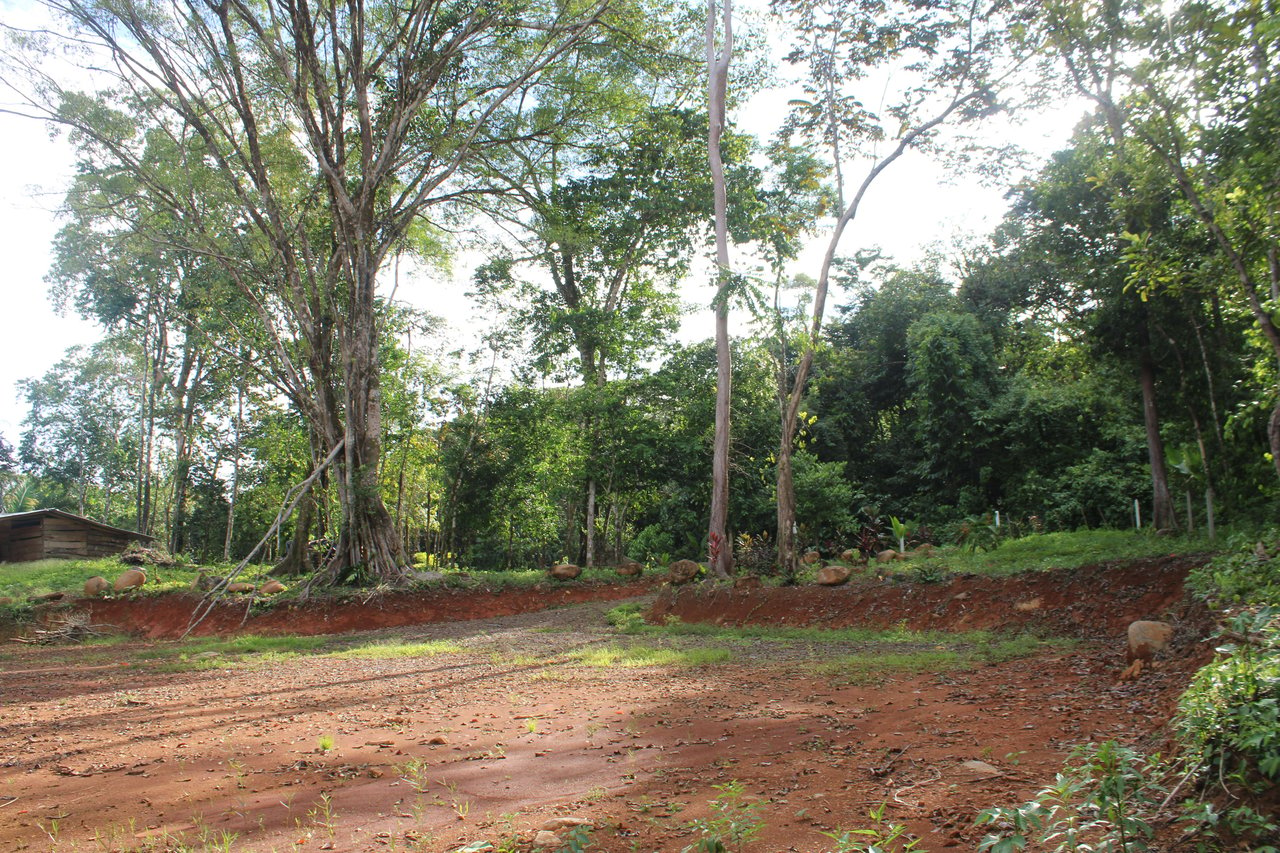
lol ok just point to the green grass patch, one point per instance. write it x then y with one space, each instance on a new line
963 651
635 656
1065 550
41 577
398 649
628 619
227 653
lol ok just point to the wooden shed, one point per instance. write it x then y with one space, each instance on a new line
43 534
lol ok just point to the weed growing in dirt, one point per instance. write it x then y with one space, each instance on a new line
1247 574
733 823
324 743
323 817
633 656
1105 802
883 837
577 840
414 773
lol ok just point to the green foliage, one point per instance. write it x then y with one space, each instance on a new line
824 498
1104 801
627 617
734 821
1043 551
1247 574
576 840
883 837
1229 718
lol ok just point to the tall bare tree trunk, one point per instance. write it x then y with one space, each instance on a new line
367 538
236 451
720 554
1162 510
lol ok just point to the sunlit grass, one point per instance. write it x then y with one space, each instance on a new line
1066 550
398 649
636 656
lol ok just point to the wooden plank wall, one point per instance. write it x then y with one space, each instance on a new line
25 541
64 538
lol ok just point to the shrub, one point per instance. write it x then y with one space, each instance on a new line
1229 718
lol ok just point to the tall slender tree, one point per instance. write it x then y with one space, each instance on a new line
719 57
954 55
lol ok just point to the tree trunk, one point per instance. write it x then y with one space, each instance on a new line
235 473
720 554
367 538
1163 514
589 560
788 559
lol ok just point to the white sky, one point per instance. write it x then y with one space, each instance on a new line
913 206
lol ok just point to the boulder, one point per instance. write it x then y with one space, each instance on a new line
428 576
557 823
833 575
96 586
630 569
272 587
682 571
241 587
564 571
747 582
1029 605
811 558
130 579
544 838
924 549
888 556
1145 640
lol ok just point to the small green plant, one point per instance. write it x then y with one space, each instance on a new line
733 823
1103 804
414 773
324 743
322 816
883 837
627 618
577 840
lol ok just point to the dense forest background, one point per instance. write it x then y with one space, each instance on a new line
1112 341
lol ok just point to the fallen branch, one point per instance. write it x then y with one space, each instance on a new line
74 628
213 596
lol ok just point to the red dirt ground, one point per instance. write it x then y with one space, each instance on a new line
102 748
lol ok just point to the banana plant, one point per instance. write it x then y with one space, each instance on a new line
901 530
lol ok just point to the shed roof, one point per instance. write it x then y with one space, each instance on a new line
70 516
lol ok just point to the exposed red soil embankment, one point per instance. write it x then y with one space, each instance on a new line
1090 602
167 616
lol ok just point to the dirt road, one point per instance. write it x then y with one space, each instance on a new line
504 723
